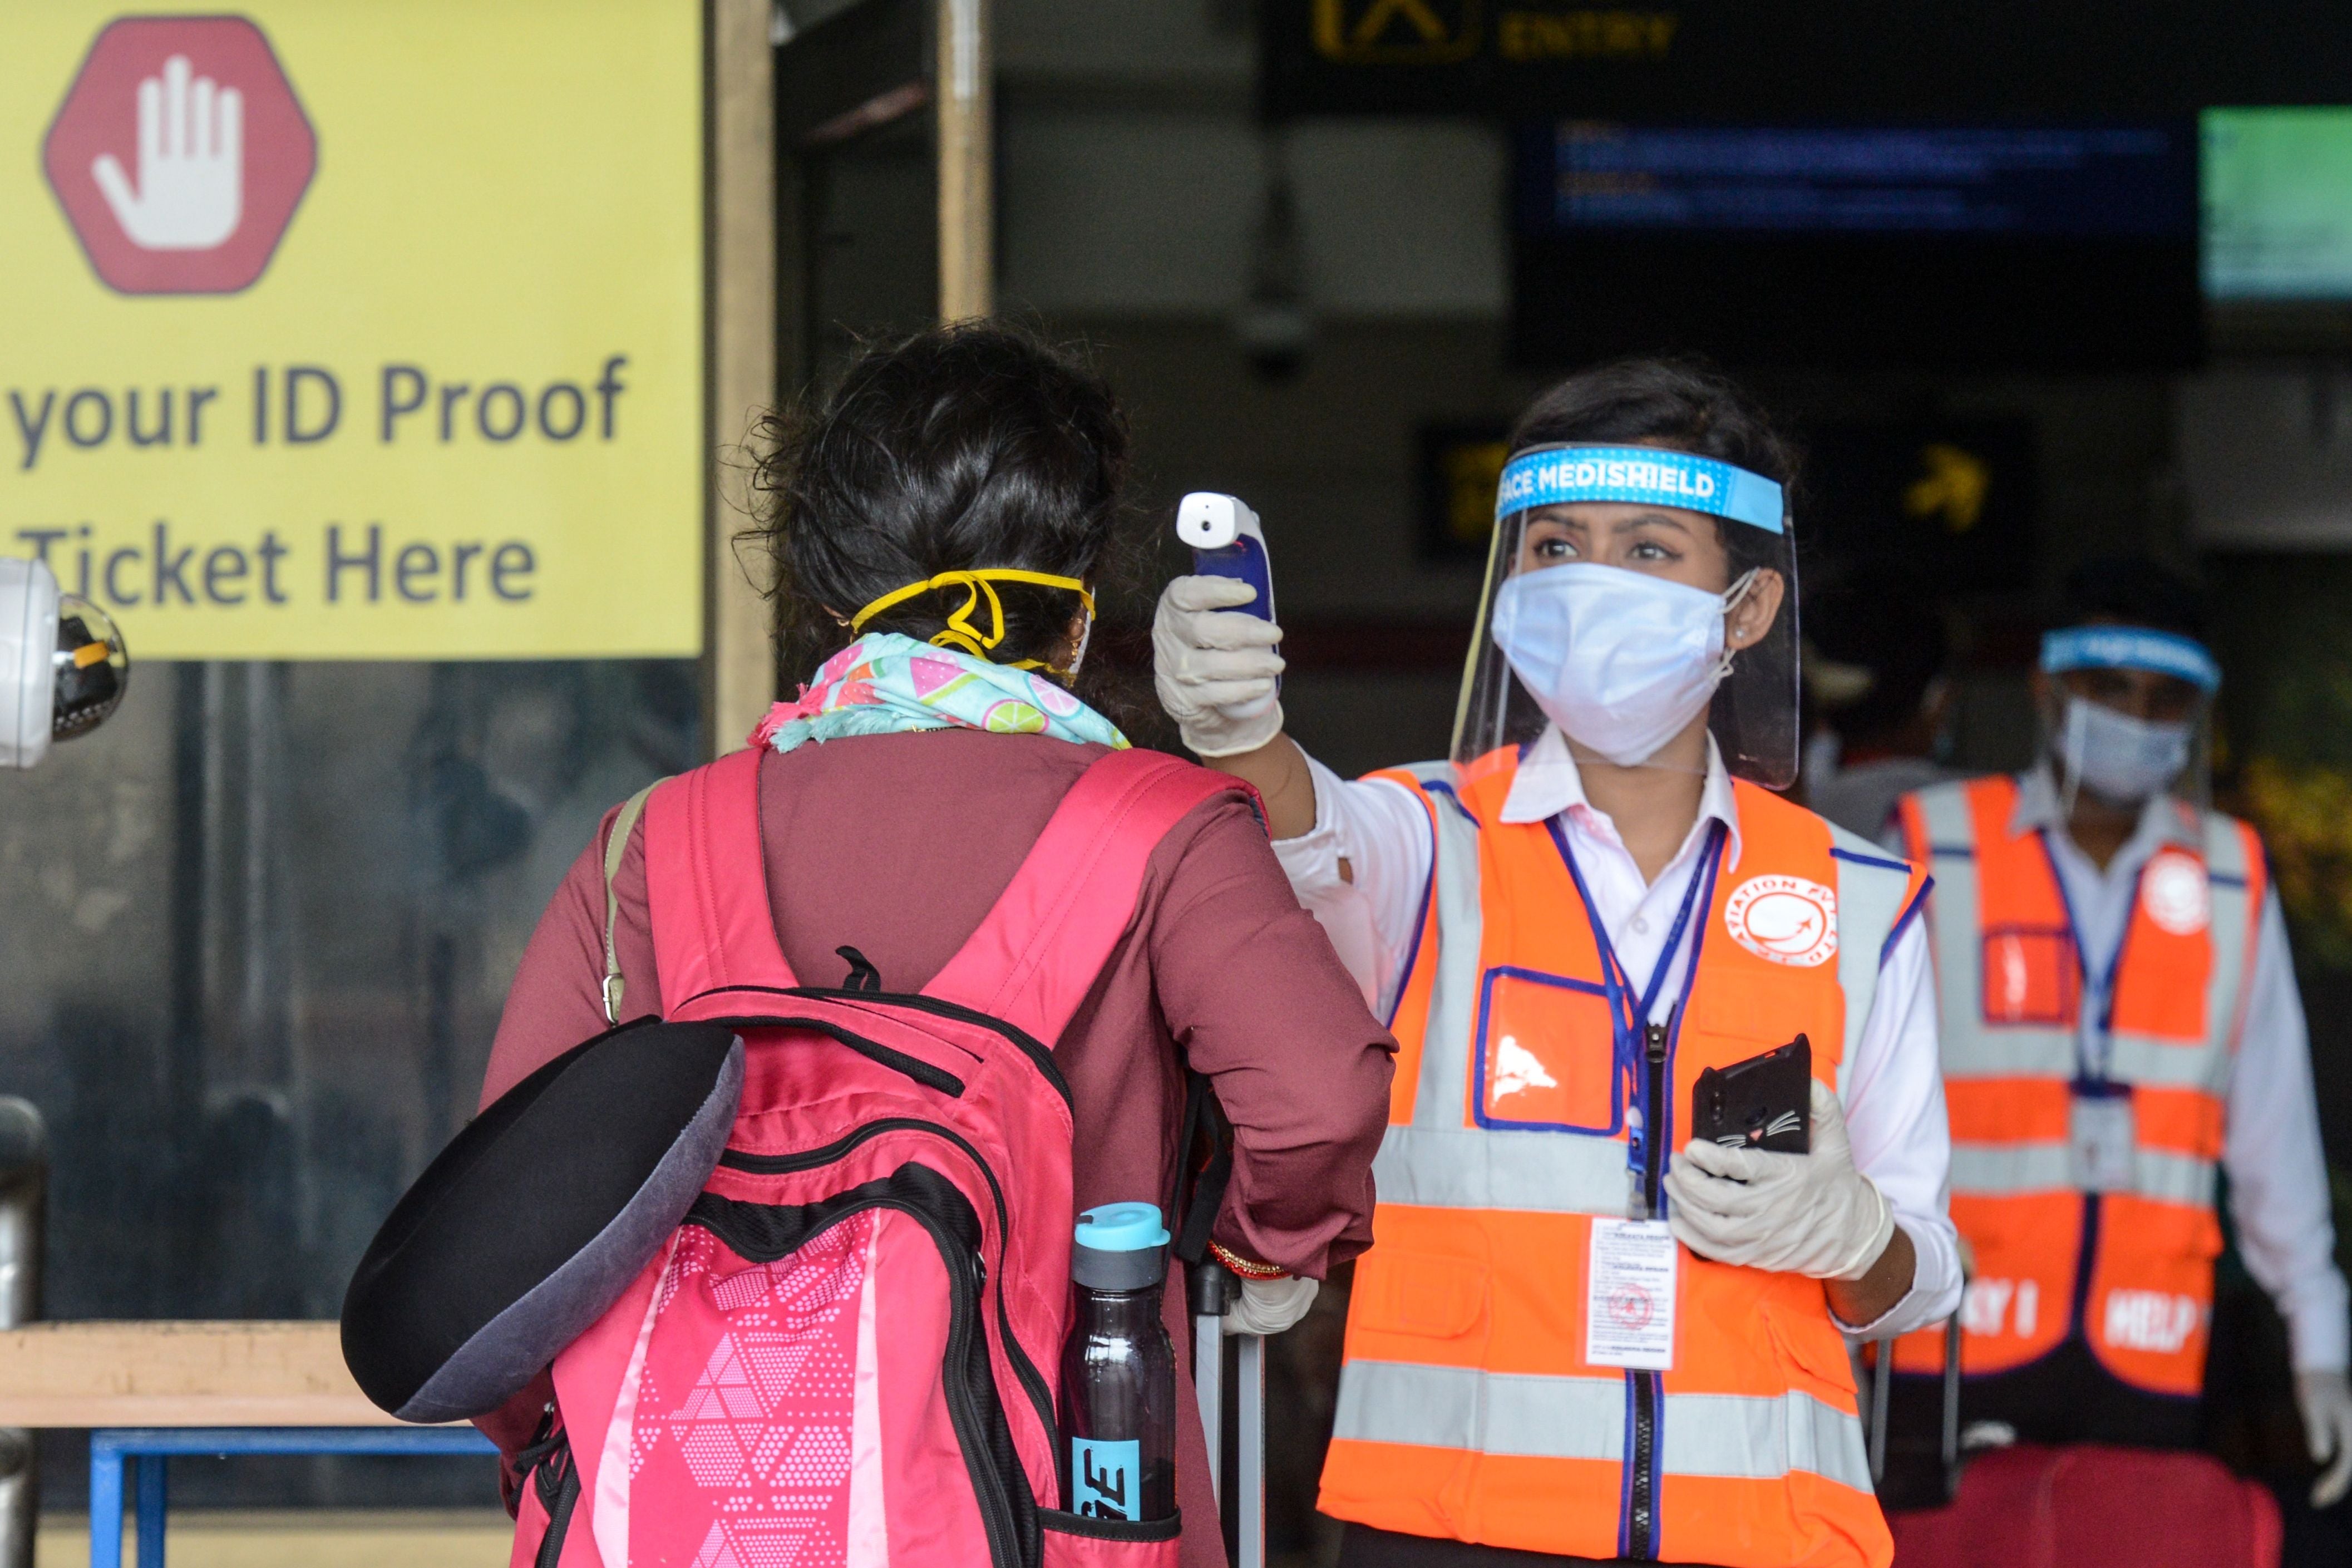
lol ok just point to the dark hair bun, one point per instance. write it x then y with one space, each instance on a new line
1678 403
963 446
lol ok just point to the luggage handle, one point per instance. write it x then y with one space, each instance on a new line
1876 1379
1212 1287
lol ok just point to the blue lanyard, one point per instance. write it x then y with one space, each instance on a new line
2095 1048
1628 1014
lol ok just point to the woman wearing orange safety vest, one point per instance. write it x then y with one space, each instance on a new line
1581 1333
2120 1025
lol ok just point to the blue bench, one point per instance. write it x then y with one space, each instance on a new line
154 1447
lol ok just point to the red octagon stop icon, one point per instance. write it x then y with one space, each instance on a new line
179 154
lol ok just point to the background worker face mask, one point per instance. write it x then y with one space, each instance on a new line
1622 661
2125 712
2117 757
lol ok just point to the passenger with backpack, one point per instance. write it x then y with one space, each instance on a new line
973 943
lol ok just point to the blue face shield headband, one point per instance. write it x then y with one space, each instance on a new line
2131 647
1551 476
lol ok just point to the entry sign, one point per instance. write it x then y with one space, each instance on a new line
358 331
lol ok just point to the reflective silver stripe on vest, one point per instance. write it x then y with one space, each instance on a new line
2005 1169
1952 923
2173 1178
1457 926
1870 898
2161 1063
1528 1416
1475 1168
1749 1439
1521 1415
2235 919
1974 1049
2012 1170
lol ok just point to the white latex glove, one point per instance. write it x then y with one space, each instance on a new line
2325 1400
1270 1306
1215 669
1812 1214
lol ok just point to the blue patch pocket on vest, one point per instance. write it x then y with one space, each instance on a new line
1547 1054
2030 975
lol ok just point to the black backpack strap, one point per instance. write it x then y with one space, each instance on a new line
1203 1173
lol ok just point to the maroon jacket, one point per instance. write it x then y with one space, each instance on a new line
896 845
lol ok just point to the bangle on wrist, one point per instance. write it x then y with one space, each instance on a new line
1244 1267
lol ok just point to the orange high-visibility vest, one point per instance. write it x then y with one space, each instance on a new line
2121 1260
1467 1410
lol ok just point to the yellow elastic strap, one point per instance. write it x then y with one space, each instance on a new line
959 633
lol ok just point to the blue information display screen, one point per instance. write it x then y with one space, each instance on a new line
2130 181
1940 247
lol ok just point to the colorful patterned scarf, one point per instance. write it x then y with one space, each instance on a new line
885 684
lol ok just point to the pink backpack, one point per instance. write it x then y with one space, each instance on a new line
845 1353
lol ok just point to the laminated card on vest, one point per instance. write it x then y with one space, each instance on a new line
2100 1138
1628 1306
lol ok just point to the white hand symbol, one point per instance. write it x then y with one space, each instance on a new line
191 164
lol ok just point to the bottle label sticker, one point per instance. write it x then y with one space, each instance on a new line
1629 1299
1105 1477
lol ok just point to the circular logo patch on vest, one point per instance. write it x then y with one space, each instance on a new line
2173 893
1787 920
1630 1308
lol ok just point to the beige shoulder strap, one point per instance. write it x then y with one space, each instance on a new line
616 844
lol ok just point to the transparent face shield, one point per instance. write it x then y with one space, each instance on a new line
2126 716
1630 590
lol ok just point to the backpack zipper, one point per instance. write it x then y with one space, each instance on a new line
1032 1382
936 1079
1029 1045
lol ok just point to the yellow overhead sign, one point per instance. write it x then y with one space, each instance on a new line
357 331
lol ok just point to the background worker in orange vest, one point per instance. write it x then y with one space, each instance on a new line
2119 1020
1581 1334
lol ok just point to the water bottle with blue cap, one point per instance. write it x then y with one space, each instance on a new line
1118 1369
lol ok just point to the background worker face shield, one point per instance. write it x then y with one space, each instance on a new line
1629 590
2127 715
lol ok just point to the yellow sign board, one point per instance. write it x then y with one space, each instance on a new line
357 331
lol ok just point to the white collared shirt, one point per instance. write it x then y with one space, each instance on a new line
1894 1088
2271 1149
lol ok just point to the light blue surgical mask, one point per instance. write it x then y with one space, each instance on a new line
2118 757
1621 660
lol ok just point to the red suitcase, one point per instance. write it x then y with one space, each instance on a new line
2087 1507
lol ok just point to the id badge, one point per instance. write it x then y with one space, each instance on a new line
1629 1302
2100 1143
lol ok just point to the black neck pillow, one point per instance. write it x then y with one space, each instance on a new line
537 1217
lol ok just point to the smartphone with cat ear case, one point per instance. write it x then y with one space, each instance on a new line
1764 1102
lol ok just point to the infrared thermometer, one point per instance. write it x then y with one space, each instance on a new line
1227 543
